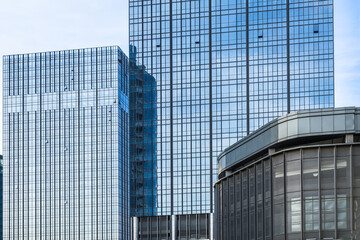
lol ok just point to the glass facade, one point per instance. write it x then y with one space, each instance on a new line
142 132
222 69
66 145
307 192
297 177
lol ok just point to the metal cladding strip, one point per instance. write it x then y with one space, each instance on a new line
288 53
173 227
210 108
247 71
171 111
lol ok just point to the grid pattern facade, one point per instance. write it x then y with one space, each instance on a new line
66 145
142 132
194 226
223 69
306 192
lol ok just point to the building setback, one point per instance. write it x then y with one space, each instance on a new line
66 145
222 69
295 178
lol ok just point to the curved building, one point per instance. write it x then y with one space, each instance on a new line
297 177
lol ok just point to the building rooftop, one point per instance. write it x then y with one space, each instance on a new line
62 50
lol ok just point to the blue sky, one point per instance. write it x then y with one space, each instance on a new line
347 53
44 25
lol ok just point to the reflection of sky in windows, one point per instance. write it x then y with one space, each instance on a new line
66 144
251 75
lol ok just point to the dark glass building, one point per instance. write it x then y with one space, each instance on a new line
297 177
66 137
222 69
142 126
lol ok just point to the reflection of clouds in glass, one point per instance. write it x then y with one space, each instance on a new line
183 89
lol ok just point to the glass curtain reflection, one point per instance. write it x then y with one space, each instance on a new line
222 69
66 145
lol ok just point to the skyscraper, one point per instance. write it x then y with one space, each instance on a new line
222 68
66 145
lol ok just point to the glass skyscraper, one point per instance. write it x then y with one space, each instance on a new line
66 169
222 69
